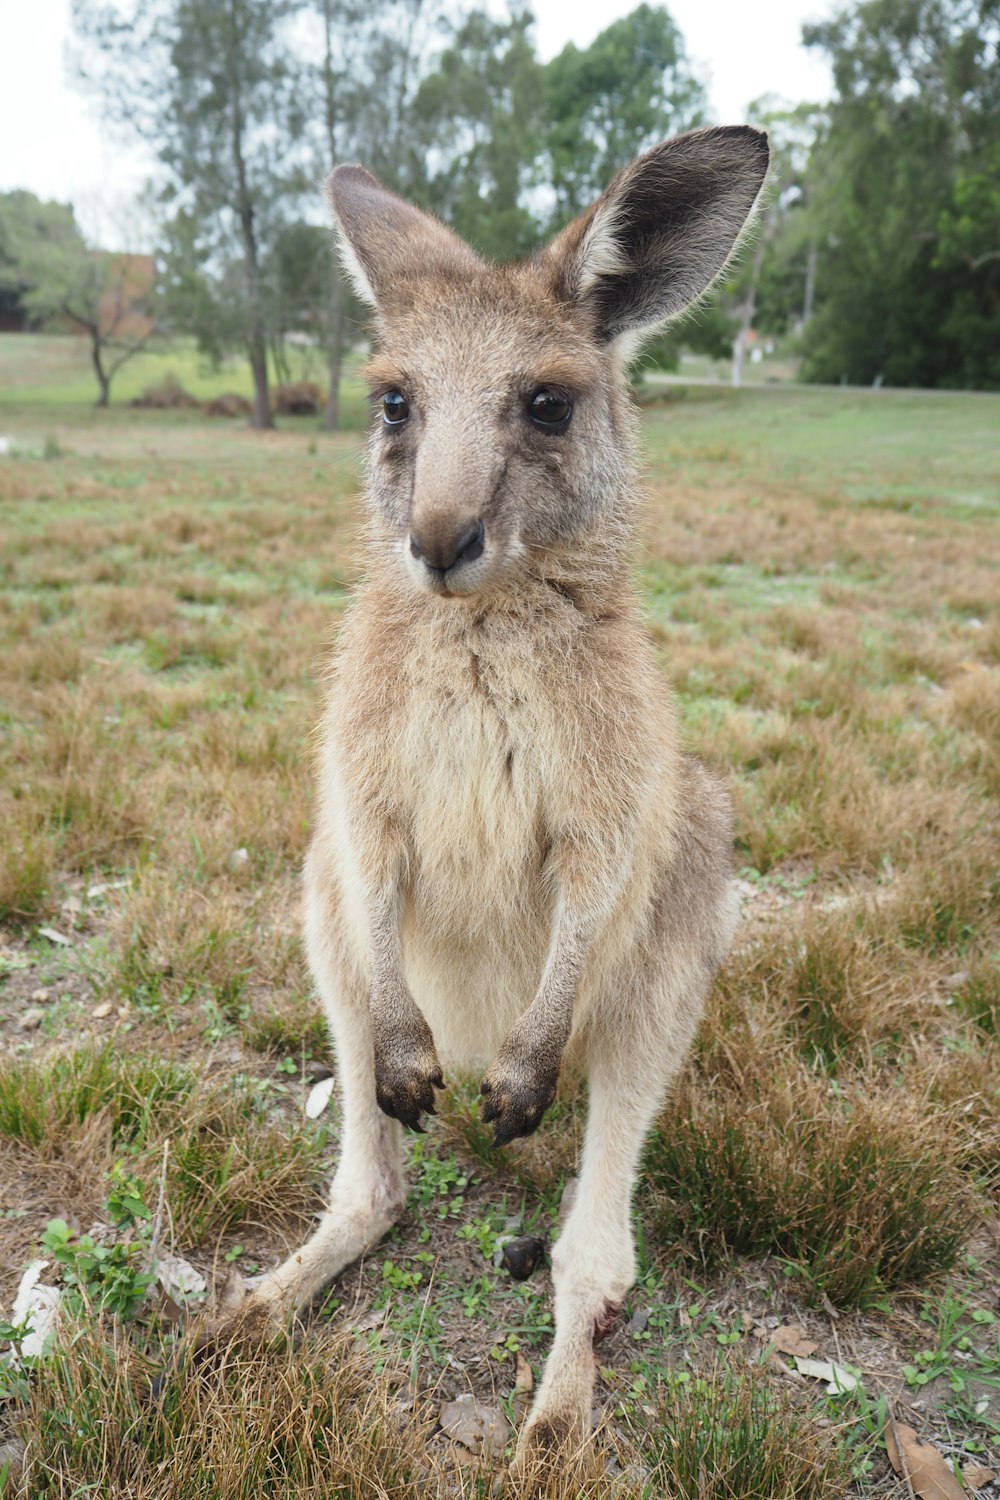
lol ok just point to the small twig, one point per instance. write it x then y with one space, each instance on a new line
836 1342
900 1453
161 1198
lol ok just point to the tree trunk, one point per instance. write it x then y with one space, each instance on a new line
103 378
256 340
335 333
331 418
749 302
810 288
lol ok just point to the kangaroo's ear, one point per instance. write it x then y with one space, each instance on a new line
384 241
661 233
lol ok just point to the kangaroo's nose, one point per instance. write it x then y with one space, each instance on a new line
442 546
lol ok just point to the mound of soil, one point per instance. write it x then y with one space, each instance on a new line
167 395
301 398
229 405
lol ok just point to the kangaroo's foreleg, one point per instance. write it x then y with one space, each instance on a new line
521 1082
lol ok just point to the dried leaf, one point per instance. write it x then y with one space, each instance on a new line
374 1318
37 1306
483 1429
975 1477
524 1380
232 1293
53 936
319 1097
840 1380
791 1338
178 1278
929 1475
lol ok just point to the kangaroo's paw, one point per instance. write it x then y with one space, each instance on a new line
517 1091
407 1072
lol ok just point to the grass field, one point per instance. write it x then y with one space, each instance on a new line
822 575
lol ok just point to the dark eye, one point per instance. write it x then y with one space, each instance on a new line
548 409
395 408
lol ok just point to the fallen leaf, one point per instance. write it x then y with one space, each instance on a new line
524 1380
37 1306
483 1429
791 1338
99 1012
53 936
318 1098
840 1380
637 1322
975 1477
232 1293
776 1363
374 1318
178 1278
929 1475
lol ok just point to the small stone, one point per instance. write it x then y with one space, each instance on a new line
521 1257
238 859
100 1012
637 1322
40 996
32 1019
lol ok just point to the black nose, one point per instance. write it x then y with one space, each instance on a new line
441 547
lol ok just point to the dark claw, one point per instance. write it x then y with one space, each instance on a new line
515 1111
406 1098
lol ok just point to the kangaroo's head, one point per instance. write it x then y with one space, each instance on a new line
501 423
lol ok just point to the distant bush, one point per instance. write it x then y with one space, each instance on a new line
166 395
229 405
301 398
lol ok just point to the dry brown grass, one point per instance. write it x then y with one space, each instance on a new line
834 637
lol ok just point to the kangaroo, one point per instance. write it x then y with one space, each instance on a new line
515 864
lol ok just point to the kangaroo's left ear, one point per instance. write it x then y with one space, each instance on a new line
659 235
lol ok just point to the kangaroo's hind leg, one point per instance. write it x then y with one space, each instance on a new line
634 1044
368 1191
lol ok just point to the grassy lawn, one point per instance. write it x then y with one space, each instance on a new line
822 575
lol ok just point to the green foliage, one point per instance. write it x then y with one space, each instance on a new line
483 110
98 1277
633 86
904 197
59 280
730 1434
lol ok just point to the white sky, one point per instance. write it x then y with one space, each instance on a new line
52 143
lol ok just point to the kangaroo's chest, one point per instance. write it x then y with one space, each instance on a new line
471 759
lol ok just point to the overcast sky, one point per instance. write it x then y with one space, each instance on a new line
51 142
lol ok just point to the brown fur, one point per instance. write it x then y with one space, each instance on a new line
512 855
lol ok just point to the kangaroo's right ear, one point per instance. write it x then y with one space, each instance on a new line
383 240
661 232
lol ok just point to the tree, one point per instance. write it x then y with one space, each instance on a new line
481 112
902 186
214 87
106 295
791 133
633 86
